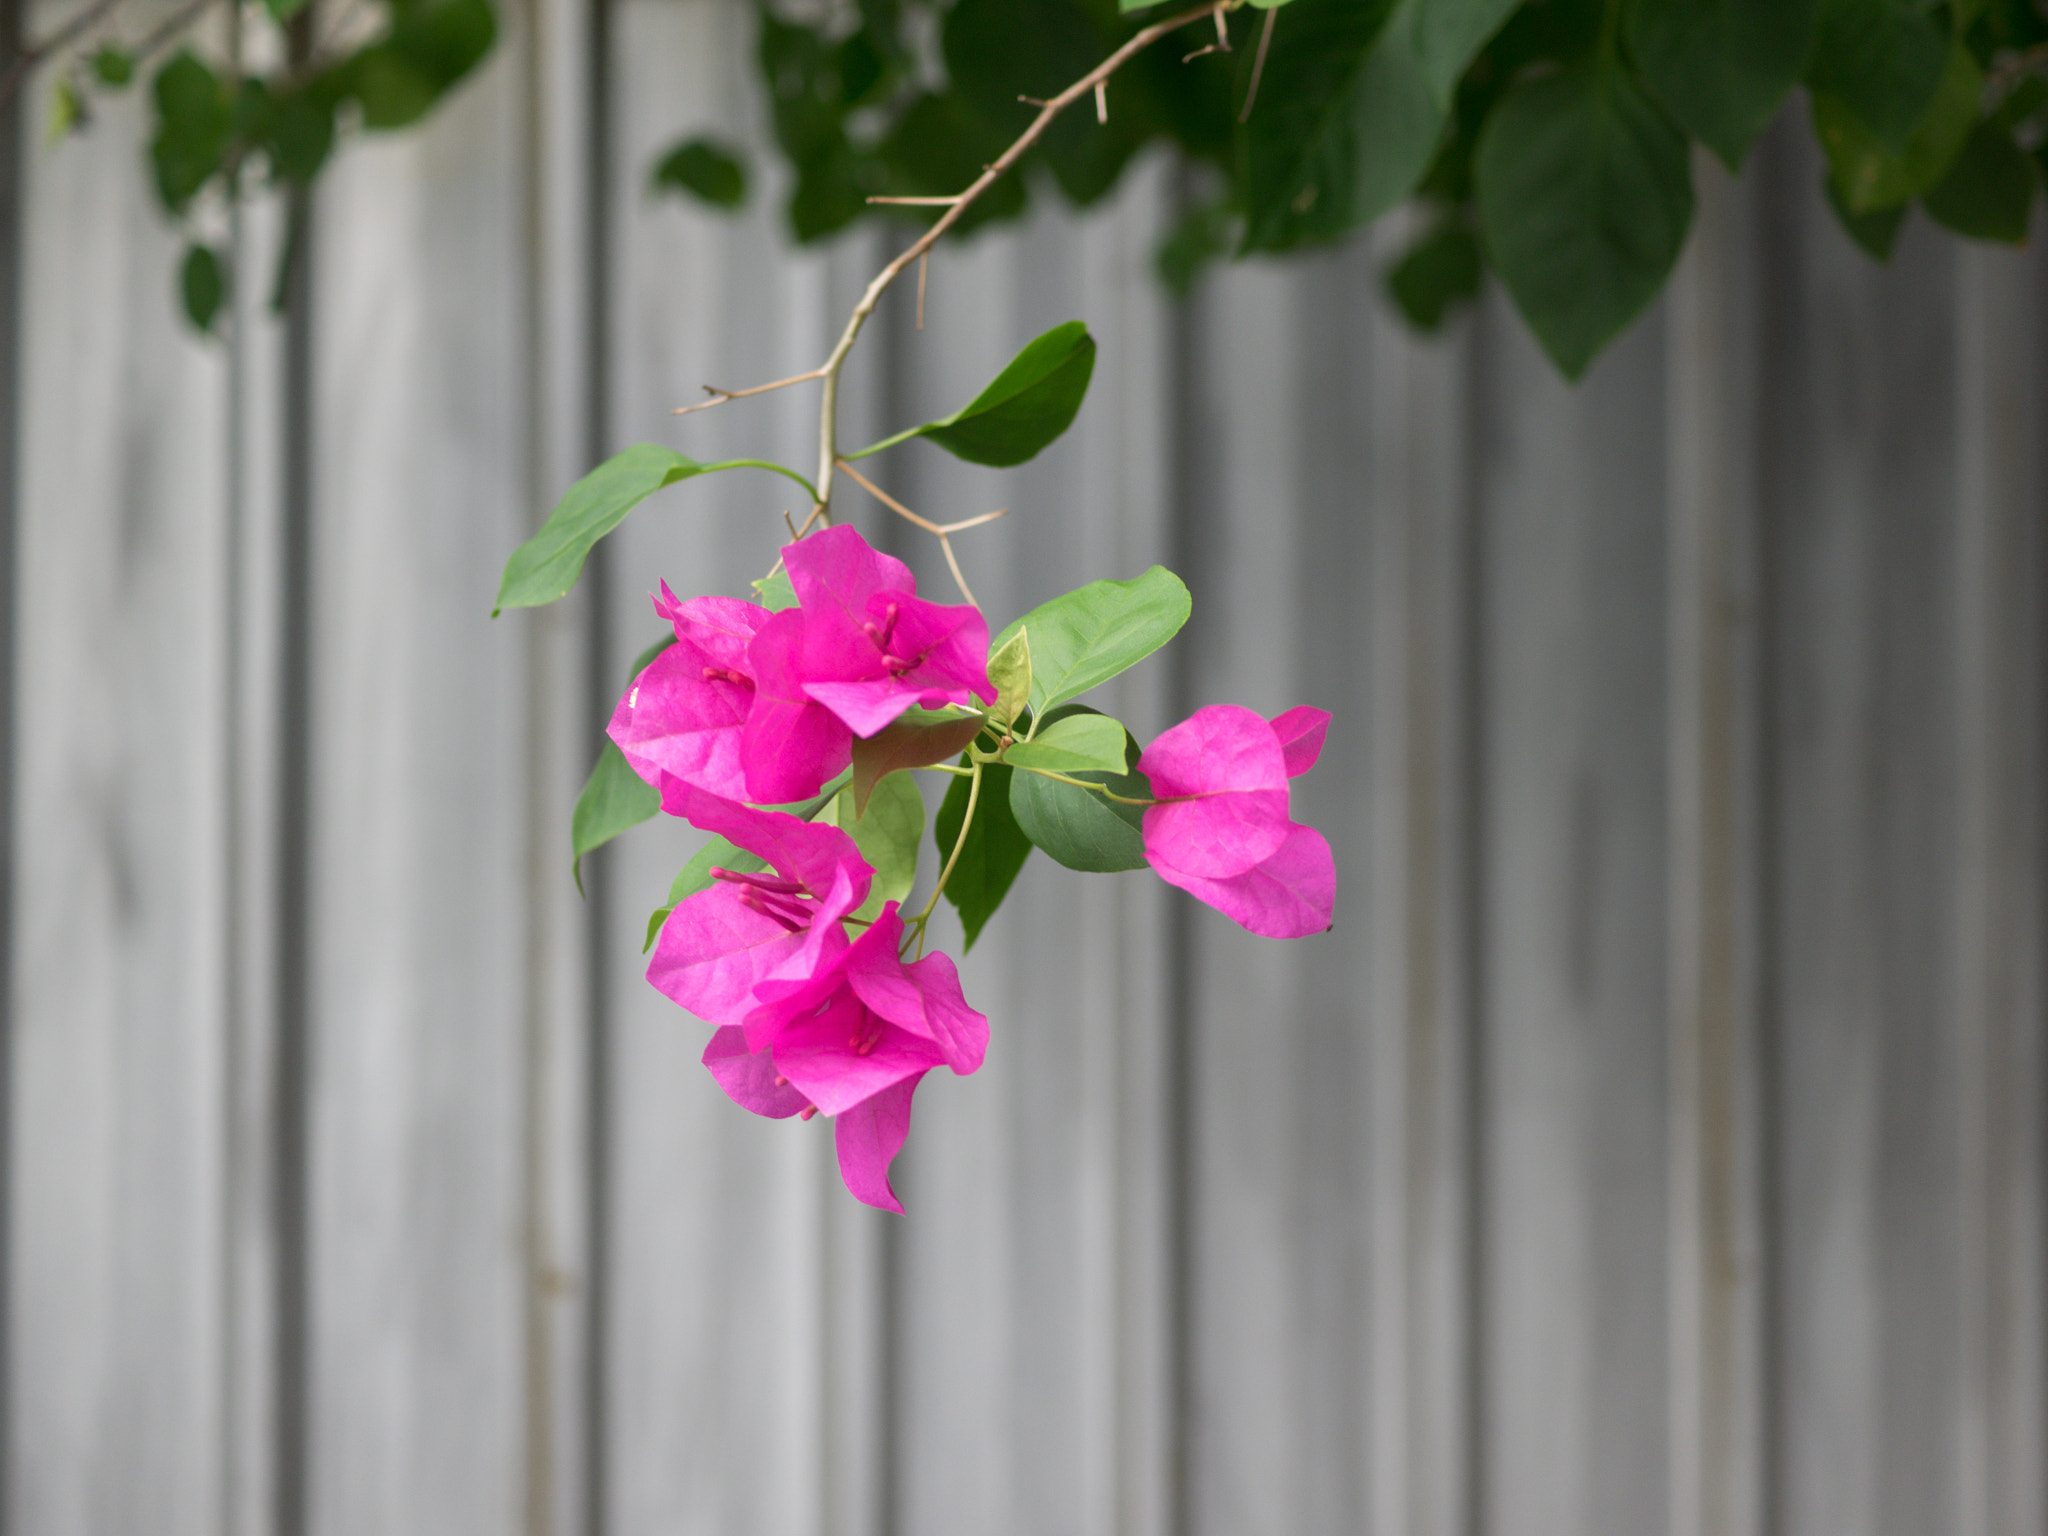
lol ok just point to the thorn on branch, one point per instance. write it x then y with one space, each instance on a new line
1031 101
1222 43
1258 64
1102 101
920 202
720 396
923 260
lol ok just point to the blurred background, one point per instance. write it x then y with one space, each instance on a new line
1655 1145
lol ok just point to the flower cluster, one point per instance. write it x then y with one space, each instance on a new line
819 991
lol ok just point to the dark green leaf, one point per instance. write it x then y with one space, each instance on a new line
937 147
1343 126
1204 233
1584 193
1087 636
1446 34
1988 193
429 48
1882 59
283 10
995 850
1079 828
195 124
1722 66
298 134
614 798
115 67
202 283
1030 403
706 169
1875 232
1870 171
546 566
1439 272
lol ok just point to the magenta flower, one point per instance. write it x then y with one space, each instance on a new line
719 945
851 1036
680 721
871 647
791 743
1222 832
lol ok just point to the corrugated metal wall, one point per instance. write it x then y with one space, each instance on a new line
1655 1146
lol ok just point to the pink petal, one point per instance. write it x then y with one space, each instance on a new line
676 721
869 1136
1288 896
806 851
925 998
790 745
1301 731
749 1077
835 568
1229 762
712 952
844 1052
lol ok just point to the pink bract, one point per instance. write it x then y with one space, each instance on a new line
681 720
1223 833
871 647
720 944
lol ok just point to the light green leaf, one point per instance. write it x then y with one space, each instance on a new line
1009 671
994 852
1722 66
1448 34
774 592
887 834
1030 403
1073 744
546 566
1870 172
1077 827
1585 192
614 798
1344 124
1093 633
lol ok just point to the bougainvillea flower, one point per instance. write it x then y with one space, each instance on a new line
681 720
871 646
791 744
718 945
1222 832
851 1030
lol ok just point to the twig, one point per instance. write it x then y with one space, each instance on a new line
34 53
919 202
1102 102
922 262
1258 65
1221 45
942 531
723 395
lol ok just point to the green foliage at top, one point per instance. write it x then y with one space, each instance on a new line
1550 140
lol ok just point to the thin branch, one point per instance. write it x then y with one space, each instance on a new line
919 202
828 445
1258 65
922 262
941 531
1102 102
34 53
723 395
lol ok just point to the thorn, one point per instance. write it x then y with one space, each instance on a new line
1031 101
1258 62
1102 101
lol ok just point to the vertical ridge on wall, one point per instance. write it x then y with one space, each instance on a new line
1716 1416
11 150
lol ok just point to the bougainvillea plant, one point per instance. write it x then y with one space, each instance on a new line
788 726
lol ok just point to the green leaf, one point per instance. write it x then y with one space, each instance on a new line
1881 59
706 169
1071 744
914 739
1079 828
1722 66
202 283
1091 634
1448 34
1030 403
774 591
546 566
1009 673
283 10
887 834
995 850
115 67
1439 272
298 134
1877 233
430 47
1872 172
717 853
1585 192
1344 124
195 123
614 798
1988 193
